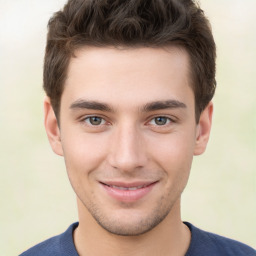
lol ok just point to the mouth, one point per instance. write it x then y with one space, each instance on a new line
127 187
128 192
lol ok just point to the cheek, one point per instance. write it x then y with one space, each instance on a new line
174 153
83 153
176 145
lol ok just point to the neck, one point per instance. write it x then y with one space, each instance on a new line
170 237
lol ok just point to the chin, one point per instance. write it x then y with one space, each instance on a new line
130 223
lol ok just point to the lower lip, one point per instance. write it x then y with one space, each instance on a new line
128 195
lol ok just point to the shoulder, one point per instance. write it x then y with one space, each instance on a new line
60 245
206 243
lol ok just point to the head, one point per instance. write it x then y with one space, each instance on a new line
131 24
129 85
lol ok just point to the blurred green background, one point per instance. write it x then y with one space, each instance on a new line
35 196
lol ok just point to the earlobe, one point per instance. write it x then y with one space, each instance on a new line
203 129
52 128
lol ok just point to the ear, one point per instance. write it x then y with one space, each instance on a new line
203 129
52 128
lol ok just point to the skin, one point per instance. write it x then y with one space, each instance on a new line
128 116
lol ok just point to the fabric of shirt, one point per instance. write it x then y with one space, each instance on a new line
202 244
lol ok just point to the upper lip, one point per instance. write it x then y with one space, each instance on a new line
128 184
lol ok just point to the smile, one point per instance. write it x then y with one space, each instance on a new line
128 192
126 188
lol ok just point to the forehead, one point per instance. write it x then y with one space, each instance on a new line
136 75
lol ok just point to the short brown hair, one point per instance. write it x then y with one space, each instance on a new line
131 23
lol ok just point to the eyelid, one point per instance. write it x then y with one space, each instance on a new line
102 121
86 117
170 119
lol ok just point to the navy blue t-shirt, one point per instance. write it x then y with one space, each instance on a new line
202 244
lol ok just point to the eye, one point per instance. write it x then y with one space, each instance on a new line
94 120
160 120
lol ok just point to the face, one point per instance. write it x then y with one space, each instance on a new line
128 134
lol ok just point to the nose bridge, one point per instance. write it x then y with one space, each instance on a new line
127 148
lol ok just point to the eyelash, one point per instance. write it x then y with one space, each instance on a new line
89 118
167 121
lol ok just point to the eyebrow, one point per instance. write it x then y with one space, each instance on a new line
159 105
152 106
84 104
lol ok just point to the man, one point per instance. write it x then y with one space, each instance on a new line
129 87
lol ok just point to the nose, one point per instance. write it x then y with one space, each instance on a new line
127 151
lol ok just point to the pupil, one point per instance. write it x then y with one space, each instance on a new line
95 120
161 120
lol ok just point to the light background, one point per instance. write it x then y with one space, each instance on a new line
36 199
